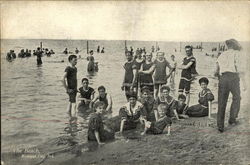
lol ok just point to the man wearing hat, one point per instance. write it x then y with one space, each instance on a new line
229 71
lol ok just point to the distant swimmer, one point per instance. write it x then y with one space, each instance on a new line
51 51
76 51
98 49
102 50
21 54
153 49
39 56
91 64
8 57
65 51
13 54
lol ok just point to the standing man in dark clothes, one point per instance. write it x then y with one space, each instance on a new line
39 56
70 83
98 49
229 69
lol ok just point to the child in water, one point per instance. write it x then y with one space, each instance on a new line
70 83
160 76
205 101
97 131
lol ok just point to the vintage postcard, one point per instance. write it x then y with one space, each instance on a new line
125 82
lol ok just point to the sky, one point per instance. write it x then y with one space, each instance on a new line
126 20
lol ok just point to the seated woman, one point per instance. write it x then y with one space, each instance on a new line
104 97
131 113
205 101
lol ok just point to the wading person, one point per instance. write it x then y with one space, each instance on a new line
70 83
230 70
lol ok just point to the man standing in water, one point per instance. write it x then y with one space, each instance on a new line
70 83
230 71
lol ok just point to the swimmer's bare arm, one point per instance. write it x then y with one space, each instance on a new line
109 99
186 66
65 82
217 70
92 102
134 78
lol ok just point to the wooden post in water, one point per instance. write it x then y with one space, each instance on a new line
156 47
125 47
87 47
201 46
219 47
180 46
41 45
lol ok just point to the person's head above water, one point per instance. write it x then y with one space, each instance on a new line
233 44
91 52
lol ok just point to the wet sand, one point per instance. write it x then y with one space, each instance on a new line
192 141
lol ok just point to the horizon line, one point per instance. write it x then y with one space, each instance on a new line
114 40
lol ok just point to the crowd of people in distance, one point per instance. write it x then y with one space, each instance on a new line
27 53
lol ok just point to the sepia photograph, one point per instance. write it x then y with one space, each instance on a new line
125 82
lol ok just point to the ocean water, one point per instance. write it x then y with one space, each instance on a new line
34 102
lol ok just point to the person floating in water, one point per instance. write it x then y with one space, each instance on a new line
65 51
70 84
39 56
102 50
91 59
98 49
76 51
